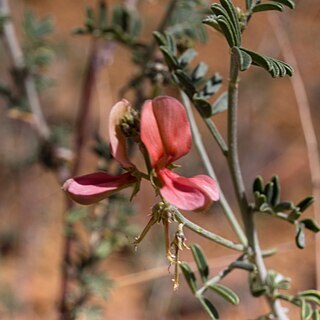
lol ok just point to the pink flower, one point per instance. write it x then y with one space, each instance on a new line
165 132
94 187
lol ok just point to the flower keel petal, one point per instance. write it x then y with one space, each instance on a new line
94 187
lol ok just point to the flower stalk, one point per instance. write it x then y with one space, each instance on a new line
207 234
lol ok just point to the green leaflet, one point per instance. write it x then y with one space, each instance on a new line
209 308
225 293
189 276
267 7
201 261
275 67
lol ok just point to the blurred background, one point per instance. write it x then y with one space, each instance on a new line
271 141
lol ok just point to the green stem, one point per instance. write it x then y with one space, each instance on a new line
209 168
222 274
235 170
233 158
216 134
207 234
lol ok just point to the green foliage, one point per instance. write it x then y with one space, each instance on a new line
275 67
90 313
9 300
37 49
124 26
300 236
185 23
101 148
38 54
76 214
225 293
209 284
3 20
106 233
209 308
308 301
267 200
201 261
277 5
257 288
225 20
243 58
126 21
189 276
274 282
193 82
96 283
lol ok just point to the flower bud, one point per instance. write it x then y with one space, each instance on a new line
130 123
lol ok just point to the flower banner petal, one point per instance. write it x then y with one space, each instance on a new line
173 126
118 146
189 194
165 130
150 134
94 187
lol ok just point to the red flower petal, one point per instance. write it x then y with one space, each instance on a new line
94 187
150 134
118 146
189 194
165 130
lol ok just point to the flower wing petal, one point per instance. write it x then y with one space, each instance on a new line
94 187
165 130
118 146
189 194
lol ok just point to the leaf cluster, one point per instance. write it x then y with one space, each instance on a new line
193 82
276 68
185 25
124 24
267 200
207 283
274 282
308 301
227 20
